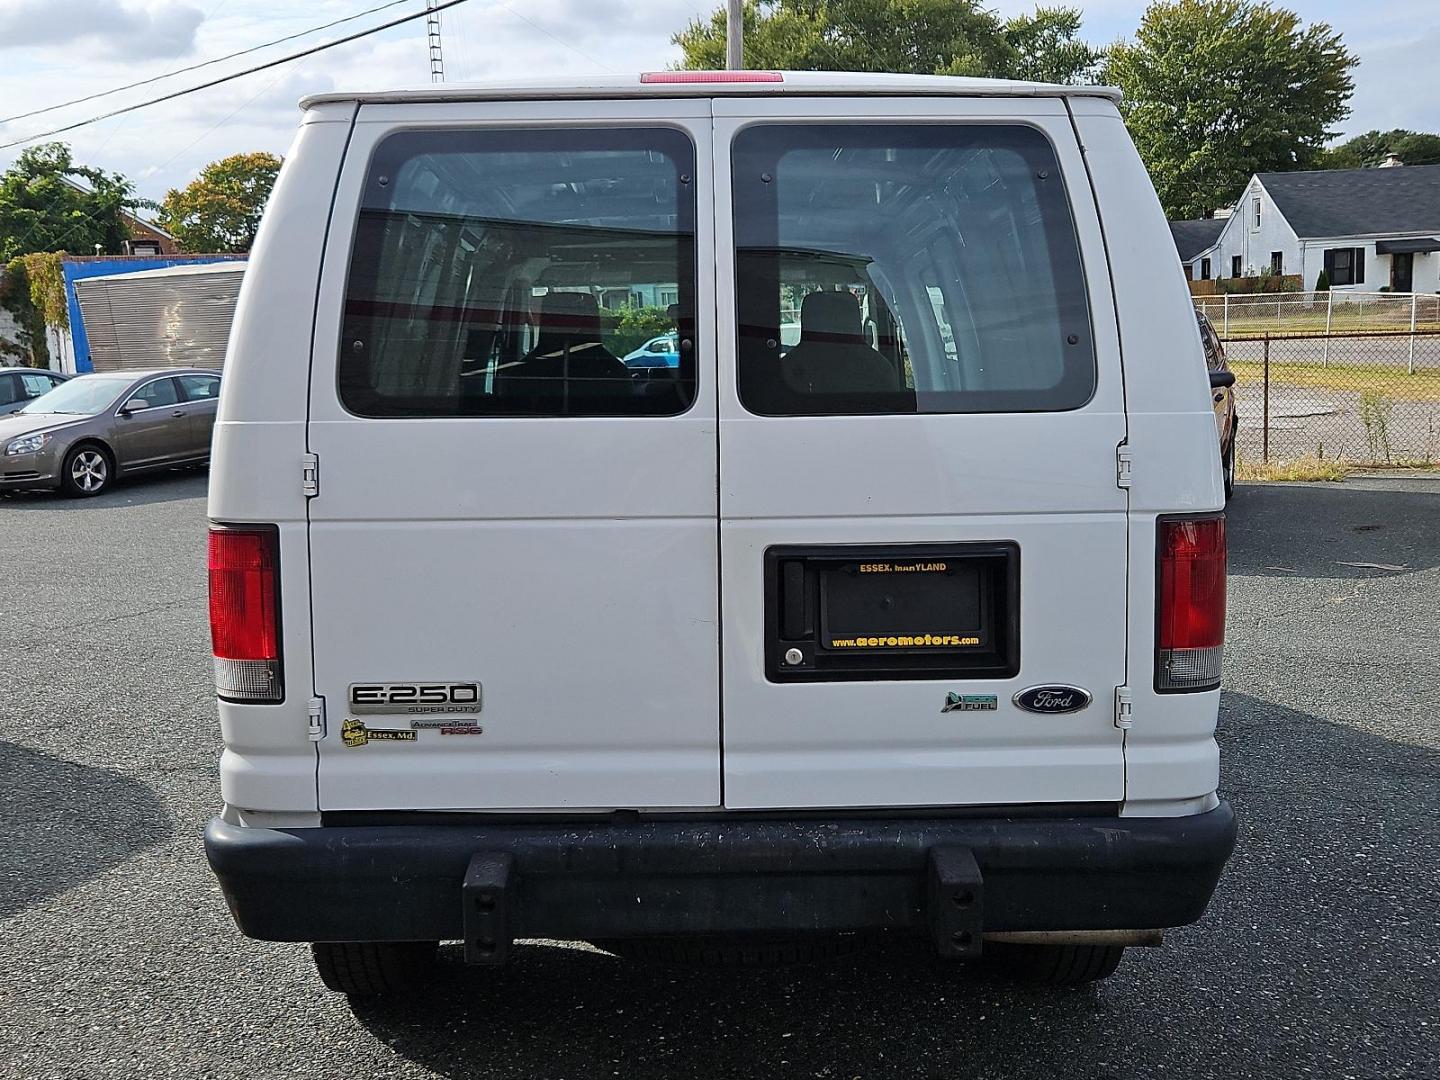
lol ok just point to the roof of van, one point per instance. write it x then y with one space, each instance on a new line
720 83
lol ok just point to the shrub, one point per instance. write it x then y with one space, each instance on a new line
32 289
1375 410
633 325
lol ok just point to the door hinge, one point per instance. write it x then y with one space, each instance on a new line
317 719
310 475
1124 466
1124 708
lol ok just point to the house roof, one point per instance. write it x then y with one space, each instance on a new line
671 84
128 215
1193 237
1358 202
138 220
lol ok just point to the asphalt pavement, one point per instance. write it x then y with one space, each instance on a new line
1320 956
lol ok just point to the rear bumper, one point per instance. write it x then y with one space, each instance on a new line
610 879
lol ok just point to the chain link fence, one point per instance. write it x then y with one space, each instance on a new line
1241 315
1362 398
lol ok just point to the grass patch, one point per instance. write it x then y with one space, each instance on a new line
1390 380
1305 468
1315 324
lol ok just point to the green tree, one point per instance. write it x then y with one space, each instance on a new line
1048 48
49 203
1218 89
634 324
32 289
220 209
919 37
1370 149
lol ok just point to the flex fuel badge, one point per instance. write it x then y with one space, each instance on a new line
969 703
355 733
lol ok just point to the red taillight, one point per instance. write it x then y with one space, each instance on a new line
712 77
245 612
1189 602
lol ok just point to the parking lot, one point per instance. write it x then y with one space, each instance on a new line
1320 955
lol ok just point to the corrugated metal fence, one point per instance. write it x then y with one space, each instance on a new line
162 318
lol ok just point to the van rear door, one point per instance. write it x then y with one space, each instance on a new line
920 514
513 545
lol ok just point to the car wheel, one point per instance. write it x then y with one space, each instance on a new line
86 472
1051 965
1227 469
373 968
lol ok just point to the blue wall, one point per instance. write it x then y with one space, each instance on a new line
75 269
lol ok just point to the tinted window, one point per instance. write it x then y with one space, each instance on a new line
200 387
83 396
508 273
907 269
9 390
160 392
1214 355
36 384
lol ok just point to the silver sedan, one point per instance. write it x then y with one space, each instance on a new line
83 434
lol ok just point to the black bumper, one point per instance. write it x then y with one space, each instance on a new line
611 879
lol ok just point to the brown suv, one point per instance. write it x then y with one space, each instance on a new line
1222 391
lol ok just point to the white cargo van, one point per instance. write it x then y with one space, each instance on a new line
895 605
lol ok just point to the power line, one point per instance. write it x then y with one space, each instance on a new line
231 77
202 64
575 49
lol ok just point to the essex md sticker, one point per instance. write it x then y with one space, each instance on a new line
355 733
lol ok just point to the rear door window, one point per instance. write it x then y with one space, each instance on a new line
200 387
512 272
906 268
158 393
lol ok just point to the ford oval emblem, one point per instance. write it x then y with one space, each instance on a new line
1052 699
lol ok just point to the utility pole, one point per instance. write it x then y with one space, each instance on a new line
432 31
734 35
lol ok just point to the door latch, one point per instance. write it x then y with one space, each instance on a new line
310 475
1124 708
317 719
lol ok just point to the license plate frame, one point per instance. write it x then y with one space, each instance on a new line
818 600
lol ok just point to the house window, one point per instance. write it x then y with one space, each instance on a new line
1235 266
1204 269
1345 266
1255 210
1277 262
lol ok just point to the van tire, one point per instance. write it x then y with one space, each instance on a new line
740 951
373 968
1051 965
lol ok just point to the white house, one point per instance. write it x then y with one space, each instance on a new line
1366 228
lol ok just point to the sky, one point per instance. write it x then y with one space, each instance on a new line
56 50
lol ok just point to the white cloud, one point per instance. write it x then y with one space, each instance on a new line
130 29
166 145
1392 90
